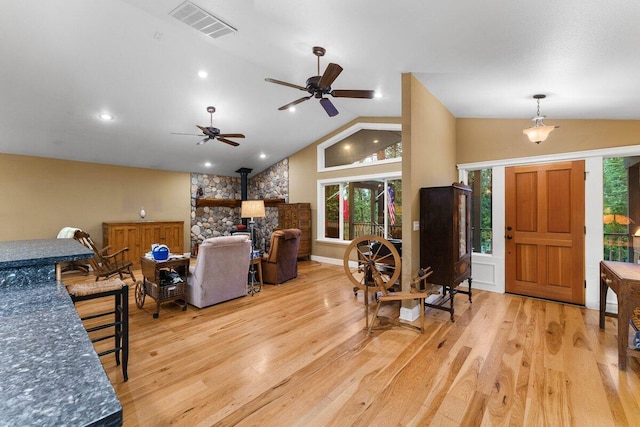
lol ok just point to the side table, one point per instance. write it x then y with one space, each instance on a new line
624 279
255 287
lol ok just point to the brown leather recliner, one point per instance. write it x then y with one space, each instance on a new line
281 263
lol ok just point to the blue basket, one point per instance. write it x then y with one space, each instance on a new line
160 253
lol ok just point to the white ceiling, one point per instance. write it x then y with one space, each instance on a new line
65 61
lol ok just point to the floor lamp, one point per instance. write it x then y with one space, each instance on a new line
252 209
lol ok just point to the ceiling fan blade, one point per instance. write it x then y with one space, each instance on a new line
296 102
190 134
328 107
280 82
227 141
330 74
368 94
203 141
231 135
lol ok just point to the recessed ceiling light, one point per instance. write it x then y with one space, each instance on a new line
202 74
207 164
347 147
105 116
263 156
378 94
375 141
292 109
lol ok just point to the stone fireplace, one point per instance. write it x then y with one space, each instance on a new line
213 221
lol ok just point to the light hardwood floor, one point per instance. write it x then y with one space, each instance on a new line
298 355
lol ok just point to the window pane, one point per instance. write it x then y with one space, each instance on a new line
363 147
394 206
366 207
332 211
482 239
616 216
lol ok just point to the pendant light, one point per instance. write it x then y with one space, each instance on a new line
538 132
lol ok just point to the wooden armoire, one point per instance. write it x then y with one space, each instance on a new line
297 215
445 239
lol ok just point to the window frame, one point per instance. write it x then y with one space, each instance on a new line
321 183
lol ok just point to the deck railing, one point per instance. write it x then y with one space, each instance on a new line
617 247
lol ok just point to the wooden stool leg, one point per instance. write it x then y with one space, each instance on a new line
366 306
421 302
373 318
125 330
117 336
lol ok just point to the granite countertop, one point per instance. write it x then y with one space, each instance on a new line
22 253
50 373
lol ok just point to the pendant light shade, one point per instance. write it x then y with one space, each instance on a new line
539 131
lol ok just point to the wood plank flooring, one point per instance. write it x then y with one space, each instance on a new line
297 355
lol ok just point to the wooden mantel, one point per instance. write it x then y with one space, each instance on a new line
233 203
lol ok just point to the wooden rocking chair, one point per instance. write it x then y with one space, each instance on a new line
103 263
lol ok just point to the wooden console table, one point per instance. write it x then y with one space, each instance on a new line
624 279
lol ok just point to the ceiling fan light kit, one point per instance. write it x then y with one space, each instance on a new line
319 85
539 132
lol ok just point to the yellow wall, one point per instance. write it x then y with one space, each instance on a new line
428 159
303 177
40 196
495 139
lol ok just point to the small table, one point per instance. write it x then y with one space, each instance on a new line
253 286
151 283
624 279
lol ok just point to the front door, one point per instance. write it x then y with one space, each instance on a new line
544 231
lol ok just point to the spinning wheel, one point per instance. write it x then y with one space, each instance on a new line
371 262
140 294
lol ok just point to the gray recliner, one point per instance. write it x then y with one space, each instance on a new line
220 271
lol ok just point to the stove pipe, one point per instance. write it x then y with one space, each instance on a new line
244 172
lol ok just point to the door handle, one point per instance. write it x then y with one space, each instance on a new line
509 236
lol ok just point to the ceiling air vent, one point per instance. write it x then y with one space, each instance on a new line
201 20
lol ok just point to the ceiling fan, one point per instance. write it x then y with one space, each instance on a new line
209 132
320 85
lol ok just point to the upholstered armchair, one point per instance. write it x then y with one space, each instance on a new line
220 271
281 263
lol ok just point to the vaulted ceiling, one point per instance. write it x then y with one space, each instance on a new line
66 61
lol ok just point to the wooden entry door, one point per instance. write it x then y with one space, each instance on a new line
544 231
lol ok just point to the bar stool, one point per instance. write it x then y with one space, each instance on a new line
120 291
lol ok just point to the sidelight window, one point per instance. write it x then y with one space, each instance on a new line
481 224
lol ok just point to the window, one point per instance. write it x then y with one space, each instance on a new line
481 226
616 217
360 206
363 144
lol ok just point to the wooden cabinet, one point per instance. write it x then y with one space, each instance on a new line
297 215
138 236
445 237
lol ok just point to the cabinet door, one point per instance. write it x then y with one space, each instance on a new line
125 236
151 234
172 236
461 235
